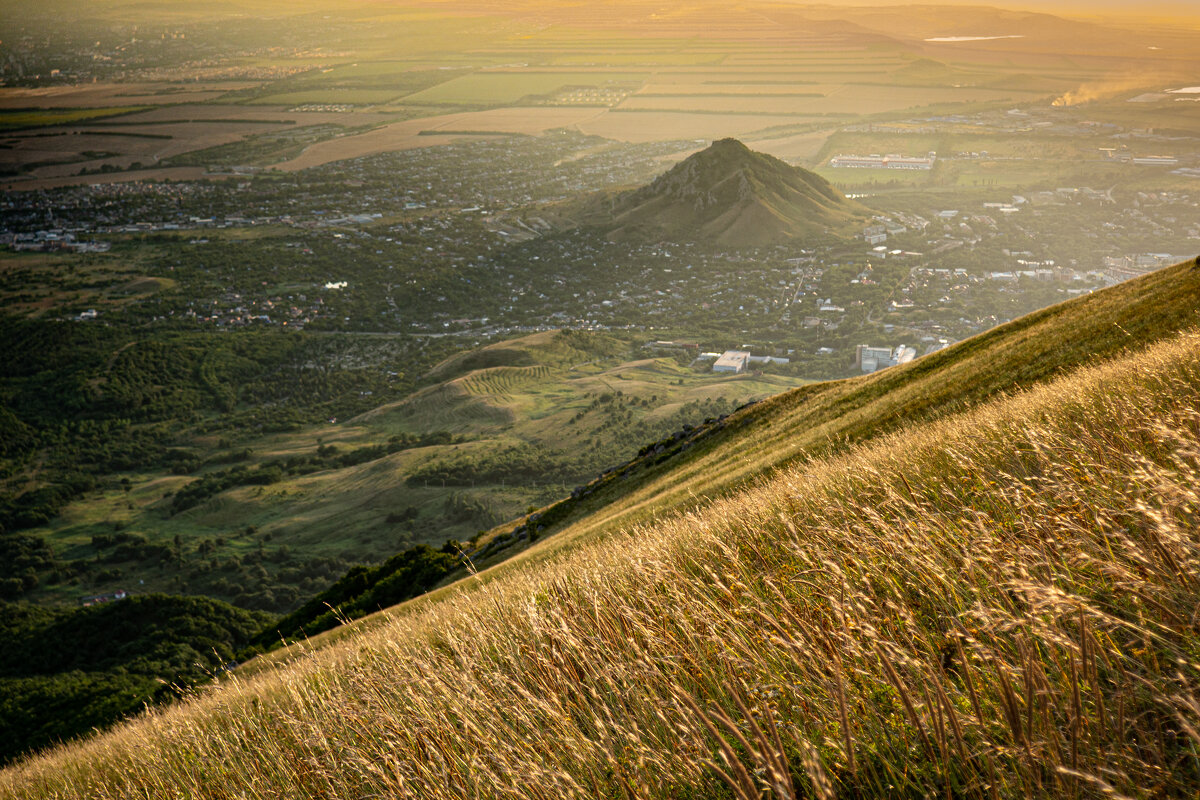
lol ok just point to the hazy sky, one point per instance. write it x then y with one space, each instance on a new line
1156 8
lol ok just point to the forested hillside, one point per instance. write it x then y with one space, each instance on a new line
64 672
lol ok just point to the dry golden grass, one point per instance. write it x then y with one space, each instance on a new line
1000 604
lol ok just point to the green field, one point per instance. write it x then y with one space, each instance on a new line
850 180
374 73
36 118
360 83
646 59
501 88
357 97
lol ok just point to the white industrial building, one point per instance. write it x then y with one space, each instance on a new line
873 359
890 161
732 361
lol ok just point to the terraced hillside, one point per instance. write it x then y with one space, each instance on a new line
270 519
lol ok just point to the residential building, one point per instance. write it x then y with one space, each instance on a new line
875 234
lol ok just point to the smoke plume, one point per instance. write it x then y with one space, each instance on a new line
1108 87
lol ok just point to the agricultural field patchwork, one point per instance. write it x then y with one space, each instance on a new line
693 75
144 140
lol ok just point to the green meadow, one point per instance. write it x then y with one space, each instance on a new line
17 119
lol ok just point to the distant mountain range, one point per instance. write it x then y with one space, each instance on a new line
727 195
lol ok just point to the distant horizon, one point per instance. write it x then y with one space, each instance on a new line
1075 8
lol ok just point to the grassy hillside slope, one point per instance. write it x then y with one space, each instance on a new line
826 417
997 603
823 419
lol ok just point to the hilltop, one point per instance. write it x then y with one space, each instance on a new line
727 195
985 591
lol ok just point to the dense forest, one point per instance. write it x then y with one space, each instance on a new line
64 672
88 400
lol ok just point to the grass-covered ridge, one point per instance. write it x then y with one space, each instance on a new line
818 420
824 418
997 604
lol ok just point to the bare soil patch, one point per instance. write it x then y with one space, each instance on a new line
408 134
170 173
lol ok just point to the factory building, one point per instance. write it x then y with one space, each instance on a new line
873 359
732 361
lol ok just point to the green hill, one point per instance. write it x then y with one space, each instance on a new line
268 518
728 195
972 576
